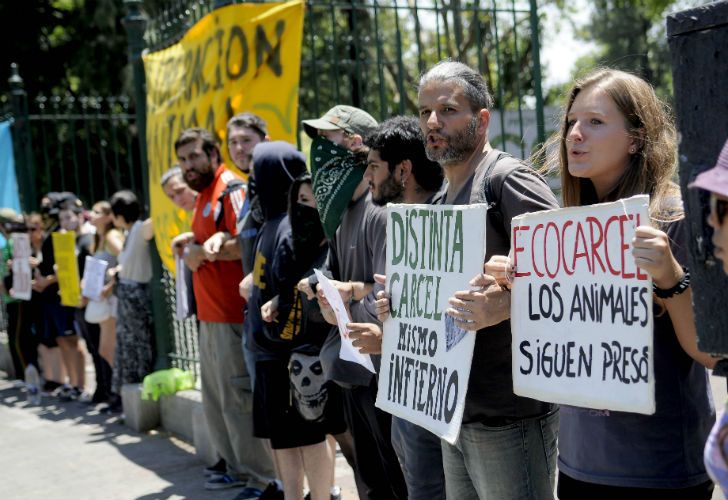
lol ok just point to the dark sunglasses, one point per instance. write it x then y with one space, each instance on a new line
719 207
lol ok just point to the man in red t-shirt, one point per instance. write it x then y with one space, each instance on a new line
217 270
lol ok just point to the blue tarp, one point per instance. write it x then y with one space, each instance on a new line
8 181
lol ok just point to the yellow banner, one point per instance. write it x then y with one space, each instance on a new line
244 57
64 251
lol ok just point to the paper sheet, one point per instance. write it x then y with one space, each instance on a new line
182 310
94 272
22 274
348 352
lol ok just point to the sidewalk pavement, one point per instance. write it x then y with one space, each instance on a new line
71 451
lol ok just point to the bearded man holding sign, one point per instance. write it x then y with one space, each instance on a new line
488 459
399 172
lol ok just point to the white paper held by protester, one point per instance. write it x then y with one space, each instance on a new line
182 310
94 272
348 352
22 273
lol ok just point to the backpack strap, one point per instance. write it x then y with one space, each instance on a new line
483 189
483 177
232 186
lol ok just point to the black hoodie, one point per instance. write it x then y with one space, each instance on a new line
276 165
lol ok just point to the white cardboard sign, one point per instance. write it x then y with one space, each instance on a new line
432 252
581 311
22 273
94 273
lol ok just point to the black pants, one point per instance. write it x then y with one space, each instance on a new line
570 488
22 340
379 476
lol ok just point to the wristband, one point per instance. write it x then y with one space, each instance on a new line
679 288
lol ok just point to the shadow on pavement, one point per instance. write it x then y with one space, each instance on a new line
168 458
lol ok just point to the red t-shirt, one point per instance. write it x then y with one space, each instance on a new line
216 283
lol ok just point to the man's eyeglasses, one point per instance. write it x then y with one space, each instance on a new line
719 207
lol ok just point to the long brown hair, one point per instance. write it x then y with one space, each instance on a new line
105 208
649 122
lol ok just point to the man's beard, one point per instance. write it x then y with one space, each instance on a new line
389 191
460 145
203 180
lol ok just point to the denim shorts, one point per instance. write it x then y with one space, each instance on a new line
58 320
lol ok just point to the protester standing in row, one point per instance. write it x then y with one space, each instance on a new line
356 230
324 409
398 171
22 316
67 334
23 349
134 352
715 181
224 375
244 131
299 447
71 219
507 443
106 246
616 141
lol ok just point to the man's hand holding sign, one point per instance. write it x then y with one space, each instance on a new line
485 304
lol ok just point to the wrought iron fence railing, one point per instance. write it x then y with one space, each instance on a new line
367 53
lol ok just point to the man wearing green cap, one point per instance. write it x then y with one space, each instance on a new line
356 230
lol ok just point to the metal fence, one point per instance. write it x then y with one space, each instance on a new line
90 145
364 53
84 144
370 54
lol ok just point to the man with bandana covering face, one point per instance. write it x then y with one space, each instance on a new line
356 229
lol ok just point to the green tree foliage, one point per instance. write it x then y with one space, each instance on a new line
630 35
78 45
364 52
372 53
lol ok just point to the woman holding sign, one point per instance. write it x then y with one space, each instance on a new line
617 141
107 244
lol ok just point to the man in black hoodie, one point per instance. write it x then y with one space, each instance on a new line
276 165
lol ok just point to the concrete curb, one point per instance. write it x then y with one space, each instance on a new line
181 414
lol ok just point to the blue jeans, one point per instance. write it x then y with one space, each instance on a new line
515 461
420 453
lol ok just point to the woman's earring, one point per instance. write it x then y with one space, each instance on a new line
632 150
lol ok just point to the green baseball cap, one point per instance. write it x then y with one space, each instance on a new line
341 117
